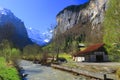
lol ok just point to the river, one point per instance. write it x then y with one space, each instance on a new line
38 72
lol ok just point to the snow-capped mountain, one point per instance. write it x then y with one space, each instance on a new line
38 37
9 23
6 16
22 36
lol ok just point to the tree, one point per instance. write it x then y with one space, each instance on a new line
112 29
15 53
8 51
32 52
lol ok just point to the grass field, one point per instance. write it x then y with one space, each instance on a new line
7 72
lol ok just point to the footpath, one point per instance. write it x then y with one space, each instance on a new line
95 75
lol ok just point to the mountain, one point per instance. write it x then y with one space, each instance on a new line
13 29
85 19
39 38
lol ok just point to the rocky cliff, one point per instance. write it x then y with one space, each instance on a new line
91 12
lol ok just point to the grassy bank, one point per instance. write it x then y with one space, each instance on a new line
66 56
7 72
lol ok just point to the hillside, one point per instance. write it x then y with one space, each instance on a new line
79 24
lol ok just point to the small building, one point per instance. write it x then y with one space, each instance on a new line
93 53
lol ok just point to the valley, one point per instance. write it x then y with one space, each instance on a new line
83 44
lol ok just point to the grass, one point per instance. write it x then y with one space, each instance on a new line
7 72
70 62
118 73
66 56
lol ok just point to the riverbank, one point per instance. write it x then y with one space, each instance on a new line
92 70
8 71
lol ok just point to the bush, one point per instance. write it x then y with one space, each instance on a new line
7 72
118 73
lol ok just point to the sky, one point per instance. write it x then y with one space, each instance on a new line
38 14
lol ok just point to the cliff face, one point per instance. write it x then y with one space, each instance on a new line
91 12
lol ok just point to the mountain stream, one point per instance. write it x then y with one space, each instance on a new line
38 72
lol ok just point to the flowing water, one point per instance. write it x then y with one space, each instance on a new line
38 72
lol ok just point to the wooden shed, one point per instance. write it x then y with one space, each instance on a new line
93 53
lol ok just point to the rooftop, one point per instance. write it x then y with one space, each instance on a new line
90 49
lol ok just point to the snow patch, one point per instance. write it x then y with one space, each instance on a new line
46 40
3 11
38 37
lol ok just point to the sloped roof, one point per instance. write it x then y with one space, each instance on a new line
90 49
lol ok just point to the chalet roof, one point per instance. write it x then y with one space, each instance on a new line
90 49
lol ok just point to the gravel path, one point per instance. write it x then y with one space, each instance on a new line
38 72
100 64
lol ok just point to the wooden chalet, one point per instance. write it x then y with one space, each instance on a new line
93 53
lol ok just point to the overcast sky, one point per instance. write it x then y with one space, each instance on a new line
38 14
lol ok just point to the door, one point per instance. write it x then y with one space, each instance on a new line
99 58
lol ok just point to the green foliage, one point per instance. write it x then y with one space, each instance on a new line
32 52
48 48
7 72
31 49
15 53
66 56
2 62
112 30
7 50
8 53
68 42
72 44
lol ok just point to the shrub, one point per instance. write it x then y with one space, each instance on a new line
7 72
118 73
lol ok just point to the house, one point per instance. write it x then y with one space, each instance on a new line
93 53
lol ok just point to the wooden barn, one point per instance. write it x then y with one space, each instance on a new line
93 53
